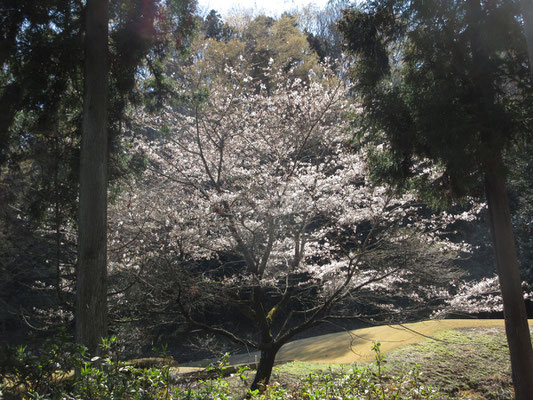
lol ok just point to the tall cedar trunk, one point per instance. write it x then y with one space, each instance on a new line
516 324
264 369
91 289
527 12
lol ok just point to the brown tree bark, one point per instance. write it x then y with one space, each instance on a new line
91 286
264 369
516 324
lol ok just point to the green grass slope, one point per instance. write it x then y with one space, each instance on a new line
354 346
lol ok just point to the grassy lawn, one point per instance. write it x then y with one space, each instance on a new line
465 363
354 346
462 359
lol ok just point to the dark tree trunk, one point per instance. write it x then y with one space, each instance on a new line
91 287
516 324
264 369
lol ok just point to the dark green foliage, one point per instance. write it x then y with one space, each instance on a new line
41 100
441 80
144 33
521 203
447 82
48 373
42 369
41 92
42 73
40 58
427 95
216 28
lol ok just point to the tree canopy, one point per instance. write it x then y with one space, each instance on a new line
447 84
254 200
437 77
41 92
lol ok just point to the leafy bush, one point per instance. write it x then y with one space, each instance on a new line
49 374
367 383
44 371
108 378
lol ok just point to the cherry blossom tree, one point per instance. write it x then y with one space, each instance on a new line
257 203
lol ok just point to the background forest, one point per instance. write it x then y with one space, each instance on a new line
266 178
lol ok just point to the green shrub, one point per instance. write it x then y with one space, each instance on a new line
49 374
42 371
367 383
